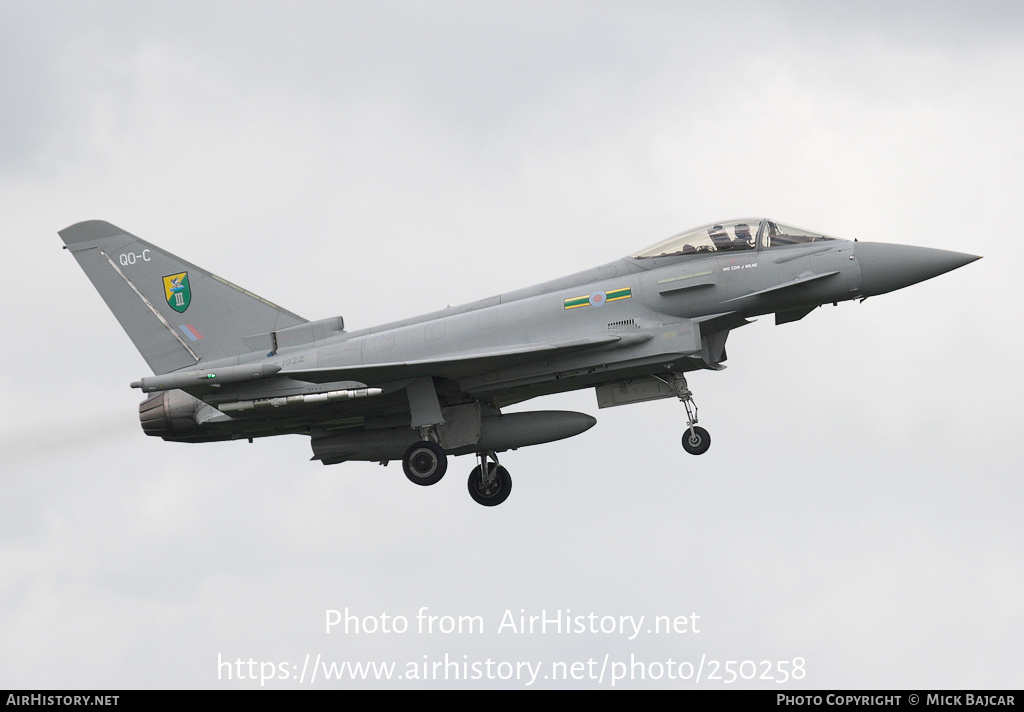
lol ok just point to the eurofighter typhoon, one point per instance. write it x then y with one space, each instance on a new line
229 364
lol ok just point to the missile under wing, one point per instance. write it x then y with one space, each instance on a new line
229 364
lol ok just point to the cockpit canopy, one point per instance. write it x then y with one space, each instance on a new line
731 235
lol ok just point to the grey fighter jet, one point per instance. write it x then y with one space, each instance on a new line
229 364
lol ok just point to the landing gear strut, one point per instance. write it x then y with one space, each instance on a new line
489 483
696 440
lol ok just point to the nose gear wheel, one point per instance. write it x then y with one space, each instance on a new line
696 440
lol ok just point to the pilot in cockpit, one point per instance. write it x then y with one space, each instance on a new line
719 236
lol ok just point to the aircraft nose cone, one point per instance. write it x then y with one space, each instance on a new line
886 267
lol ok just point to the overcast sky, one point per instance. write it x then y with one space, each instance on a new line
859 509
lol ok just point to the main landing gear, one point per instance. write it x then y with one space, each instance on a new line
696 439
425 463
489 483
492 488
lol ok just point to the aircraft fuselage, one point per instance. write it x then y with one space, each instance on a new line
232 365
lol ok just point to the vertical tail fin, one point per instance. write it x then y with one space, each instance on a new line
175 313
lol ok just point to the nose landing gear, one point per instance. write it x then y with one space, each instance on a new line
696 439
